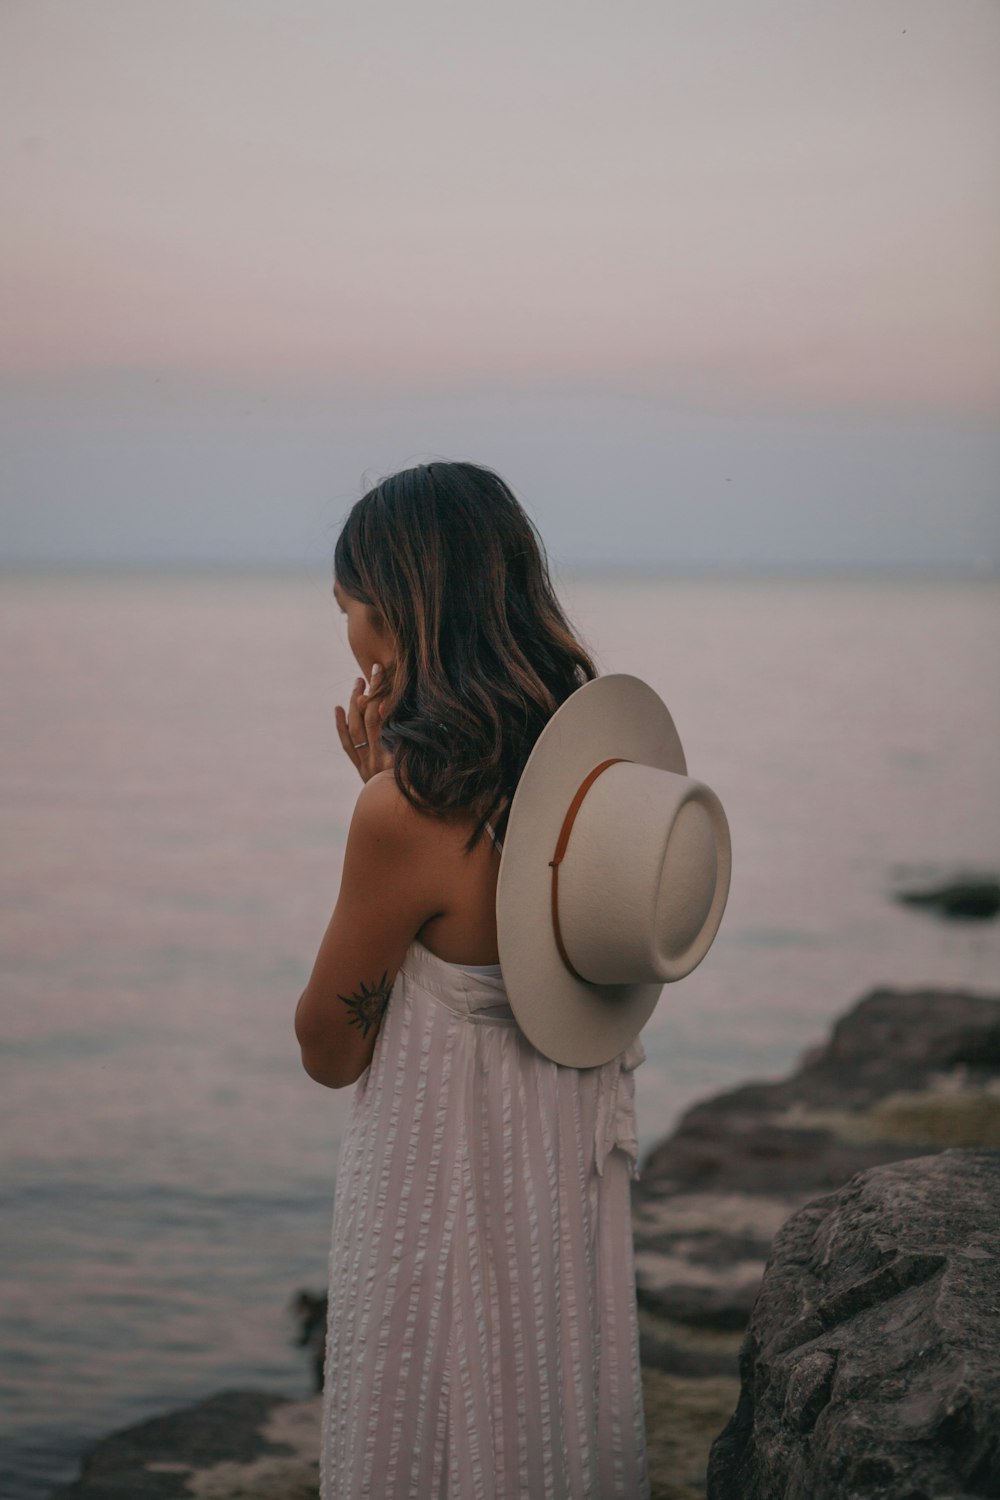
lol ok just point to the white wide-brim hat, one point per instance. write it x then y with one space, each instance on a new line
614 872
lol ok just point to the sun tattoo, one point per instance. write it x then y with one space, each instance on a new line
368 1006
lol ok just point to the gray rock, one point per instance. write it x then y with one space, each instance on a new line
871 1366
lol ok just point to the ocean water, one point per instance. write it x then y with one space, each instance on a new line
175 802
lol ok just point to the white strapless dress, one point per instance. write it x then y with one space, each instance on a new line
482 1338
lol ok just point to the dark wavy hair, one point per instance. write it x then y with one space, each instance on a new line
454 570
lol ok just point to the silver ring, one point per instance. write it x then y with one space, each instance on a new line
361 746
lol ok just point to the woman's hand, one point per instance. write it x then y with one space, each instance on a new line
360 728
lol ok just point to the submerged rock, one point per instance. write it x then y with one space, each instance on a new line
871 1366
958 898
238 1445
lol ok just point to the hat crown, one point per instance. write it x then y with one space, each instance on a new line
640 875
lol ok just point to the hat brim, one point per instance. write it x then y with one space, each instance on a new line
575 1023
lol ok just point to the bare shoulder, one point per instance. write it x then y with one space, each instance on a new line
382 808
387 827
380 796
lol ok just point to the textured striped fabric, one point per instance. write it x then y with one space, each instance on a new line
482 1337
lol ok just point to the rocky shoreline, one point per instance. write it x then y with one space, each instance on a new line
905 1074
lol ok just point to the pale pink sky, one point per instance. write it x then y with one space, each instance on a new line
771 198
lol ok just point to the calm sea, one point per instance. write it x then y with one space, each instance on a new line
175 802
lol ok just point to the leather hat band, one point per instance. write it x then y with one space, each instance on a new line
561 843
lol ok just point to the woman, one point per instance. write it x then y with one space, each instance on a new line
482 1339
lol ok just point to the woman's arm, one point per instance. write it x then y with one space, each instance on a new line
385 898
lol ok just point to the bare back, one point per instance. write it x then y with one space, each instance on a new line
464 929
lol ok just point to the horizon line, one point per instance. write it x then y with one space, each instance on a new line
984 569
